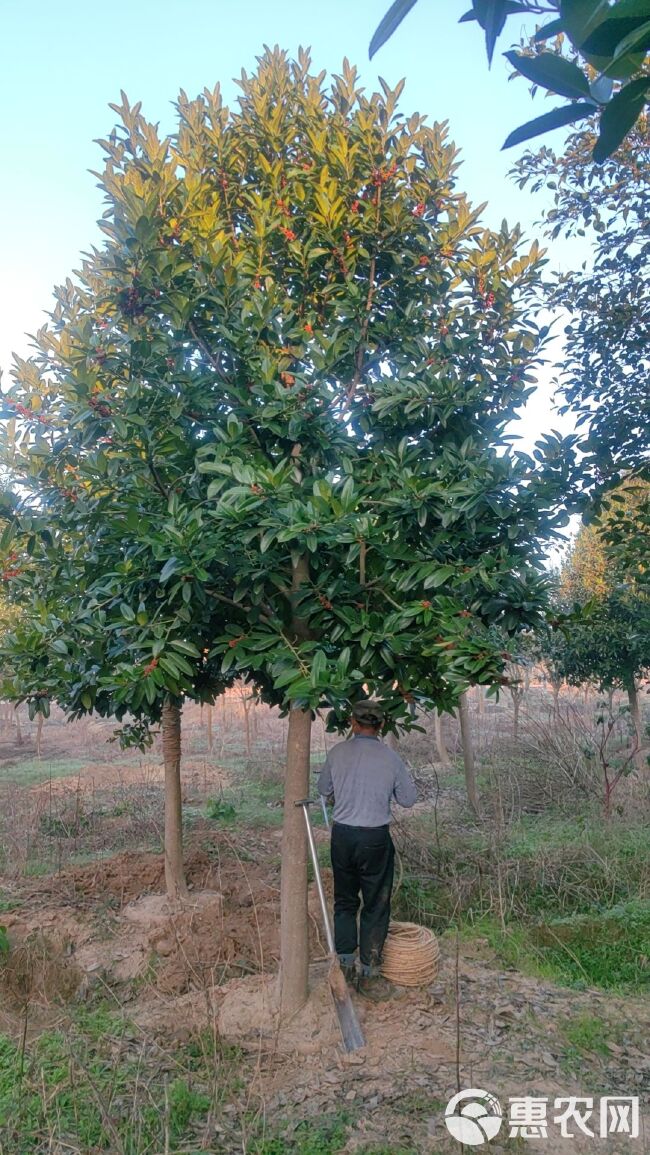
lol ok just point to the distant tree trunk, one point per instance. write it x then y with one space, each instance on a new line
19 732
640 759
294 920
468 754
517 695
171 739
247 723
208 718
443 753
39 735
556 686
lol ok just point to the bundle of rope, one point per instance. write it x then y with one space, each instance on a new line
411 955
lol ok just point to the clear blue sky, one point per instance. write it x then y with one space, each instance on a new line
64 62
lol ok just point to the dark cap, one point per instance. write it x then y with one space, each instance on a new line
368 712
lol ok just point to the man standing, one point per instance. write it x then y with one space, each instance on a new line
364 776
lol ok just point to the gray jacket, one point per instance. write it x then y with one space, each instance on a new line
365 775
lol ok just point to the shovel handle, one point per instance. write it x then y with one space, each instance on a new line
317 875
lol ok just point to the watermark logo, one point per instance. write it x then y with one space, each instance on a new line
473 1117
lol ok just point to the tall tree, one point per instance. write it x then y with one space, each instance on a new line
604 373
301 339
610 644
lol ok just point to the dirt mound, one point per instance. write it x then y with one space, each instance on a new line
248 1013
113 918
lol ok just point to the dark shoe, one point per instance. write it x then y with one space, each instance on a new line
375 988
349 972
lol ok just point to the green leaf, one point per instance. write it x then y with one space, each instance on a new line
170 567
492 15
637 41
185 647
59 646
568 114
127 613
548 30
86 700
392 20
580 17
318 667
619 116
551 72
439 577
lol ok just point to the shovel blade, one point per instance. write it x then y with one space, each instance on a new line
351 1033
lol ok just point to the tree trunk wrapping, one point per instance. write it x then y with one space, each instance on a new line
468 754
171 739
294 920
443 753
640 760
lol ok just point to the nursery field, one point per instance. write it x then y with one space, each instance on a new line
129 1025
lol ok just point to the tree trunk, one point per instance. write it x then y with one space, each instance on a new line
294 920
640 759
208 716
19 732
468 754
556 687
39 735
443 753
480 699
171 738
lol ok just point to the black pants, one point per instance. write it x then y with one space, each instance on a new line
362 861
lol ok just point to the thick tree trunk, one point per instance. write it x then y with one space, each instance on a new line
640 756
480 700
171 738
443 753
294 921
468 754
556 687
39 735
19 732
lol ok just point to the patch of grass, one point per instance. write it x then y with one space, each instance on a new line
325 1136
587 1033
36 771
609 949
99 1085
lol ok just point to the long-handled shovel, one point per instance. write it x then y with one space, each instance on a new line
350 1030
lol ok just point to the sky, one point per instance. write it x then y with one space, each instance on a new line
65 62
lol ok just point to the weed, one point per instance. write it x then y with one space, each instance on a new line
587 1033
326 1137
220 811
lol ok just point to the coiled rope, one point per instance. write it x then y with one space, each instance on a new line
411 955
